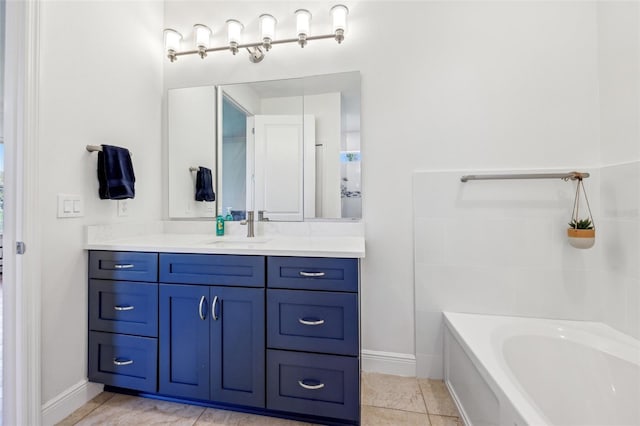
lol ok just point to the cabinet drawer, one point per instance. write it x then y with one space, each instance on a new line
123 307
123 361
123 265
325 385
313 321
312 273
212 269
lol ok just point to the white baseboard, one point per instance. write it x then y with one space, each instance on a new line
389 363
68 401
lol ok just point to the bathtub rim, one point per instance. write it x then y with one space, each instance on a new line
495 378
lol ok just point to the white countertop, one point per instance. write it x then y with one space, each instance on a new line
312 246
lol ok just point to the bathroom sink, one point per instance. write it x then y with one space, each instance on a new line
237 240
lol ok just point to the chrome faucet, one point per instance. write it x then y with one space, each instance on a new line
249 223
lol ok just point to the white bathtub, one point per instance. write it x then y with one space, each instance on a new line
526 371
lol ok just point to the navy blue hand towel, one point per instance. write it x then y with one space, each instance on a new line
115 173
204 185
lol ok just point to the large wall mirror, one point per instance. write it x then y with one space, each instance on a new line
289 149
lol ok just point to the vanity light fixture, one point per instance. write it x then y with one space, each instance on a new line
172 40
203 38
267 30
202 35
303 23
234 34
339 16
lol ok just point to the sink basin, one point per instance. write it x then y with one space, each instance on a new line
237 240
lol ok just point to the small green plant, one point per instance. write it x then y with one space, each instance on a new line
581 224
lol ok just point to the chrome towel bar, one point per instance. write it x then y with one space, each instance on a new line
563 176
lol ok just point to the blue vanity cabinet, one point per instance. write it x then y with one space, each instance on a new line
238 346
313 344
123 319
184 341
123 265
212 338
265 334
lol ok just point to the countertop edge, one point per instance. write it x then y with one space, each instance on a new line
297 250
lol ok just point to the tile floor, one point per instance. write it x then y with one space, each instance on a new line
386 400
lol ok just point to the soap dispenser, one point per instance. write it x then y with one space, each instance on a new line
229 216
220 226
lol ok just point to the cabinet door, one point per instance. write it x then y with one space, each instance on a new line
184 341
238 346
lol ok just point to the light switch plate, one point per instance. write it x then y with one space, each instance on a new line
70 205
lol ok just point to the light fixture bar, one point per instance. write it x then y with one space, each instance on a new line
256 44
256 49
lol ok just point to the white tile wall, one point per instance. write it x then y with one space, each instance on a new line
620 224
498 247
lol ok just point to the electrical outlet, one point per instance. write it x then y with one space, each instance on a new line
123 208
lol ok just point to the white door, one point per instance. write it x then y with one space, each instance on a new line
284 175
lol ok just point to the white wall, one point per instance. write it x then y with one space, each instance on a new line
458 85
100 82
619 226
191 112
499 247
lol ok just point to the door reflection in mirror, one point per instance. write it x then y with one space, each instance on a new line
302 147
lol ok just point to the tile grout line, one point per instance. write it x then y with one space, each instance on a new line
424 401
435 414
86 415
201 414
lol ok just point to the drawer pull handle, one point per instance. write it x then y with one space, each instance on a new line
312 274
213 308
306 322
310 387
124 308
121 363
123 265
200 312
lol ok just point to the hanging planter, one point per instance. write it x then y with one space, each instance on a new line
581 232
